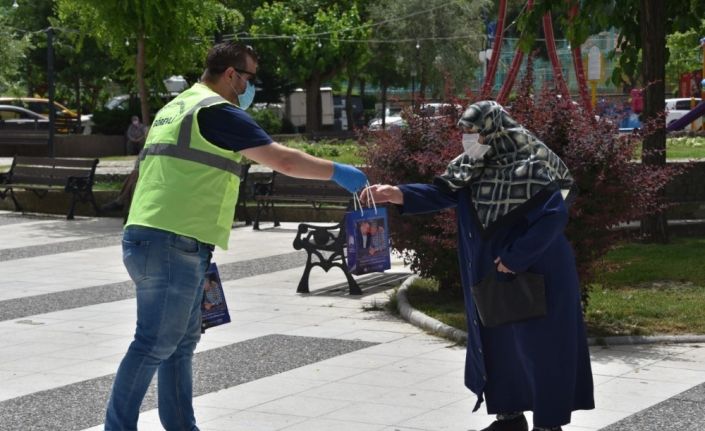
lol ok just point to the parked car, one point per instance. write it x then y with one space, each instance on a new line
17 116
432 111
41 106
126 101
678 107
392 117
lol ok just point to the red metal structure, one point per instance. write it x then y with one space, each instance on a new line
513 71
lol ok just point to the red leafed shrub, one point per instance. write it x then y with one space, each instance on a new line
612 186
415 154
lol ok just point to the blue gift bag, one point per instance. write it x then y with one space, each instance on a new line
368 240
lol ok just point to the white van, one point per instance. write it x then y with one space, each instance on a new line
677 108
295 107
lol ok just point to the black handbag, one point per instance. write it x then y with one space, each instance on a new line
503 298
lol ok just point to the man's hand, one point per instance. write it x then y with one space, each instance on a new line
349 177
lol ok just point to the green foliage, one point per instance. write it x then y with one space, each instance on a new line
311 42
12 47
176 33
321 29
342 152
112 121
449 36
684 53
268 120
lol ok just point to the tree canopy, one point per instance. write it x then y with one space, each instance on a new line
152 39
310 42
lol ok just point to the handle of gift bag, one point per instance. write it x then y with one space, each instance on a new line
357 203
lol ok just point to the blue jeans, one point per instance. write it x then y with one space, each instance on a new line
168 271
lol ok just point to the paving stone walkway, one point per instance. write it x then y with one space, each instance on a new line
291 362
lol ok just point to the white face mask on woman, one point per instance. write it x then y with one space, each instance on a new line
473 147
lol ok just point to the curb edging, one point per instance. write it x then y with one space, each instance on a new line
423 321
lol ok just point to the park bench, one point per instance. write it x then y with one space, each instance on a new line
326 247
44 174
24 137
282 188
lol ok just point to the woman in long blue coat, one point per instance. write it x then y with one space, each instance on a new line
510 194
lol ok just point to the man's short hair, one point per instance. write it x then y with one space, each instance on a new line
228 54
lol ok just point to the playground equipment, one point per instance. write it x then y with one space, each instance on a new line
688 118
519 57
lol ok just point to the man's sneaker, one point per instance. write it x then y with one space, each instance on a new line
517 424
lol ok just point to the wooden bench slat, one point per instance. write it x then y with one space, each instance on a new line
22 179
48 161
50 172
35 186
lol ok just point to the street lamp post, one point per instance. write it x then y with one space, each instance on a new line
413 85
413 75
702 83
50 79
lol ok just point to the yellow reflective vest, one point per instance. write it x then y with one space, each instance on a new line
186 184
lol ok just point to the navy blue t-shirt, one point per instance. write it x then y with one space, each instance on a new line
231 128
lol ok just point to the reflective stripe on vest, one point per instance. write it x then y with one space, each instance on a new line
182 149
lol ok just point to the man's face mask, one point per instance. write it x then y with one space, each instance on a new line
245 99
473 147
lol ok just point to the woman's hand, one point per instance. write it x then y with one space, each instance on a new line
382 193
501 267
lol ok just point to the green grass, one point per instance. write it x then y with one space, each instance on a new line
681 148
423 294
347 151
667 309
119 158
685 148
642 289
102 185
636 264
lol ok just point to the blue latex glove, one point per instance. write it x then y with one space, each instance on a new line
348 177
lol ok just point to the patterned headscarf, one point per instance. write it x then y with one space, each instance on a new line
513 172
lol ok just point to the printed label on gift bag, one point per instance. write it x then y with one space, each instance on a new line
368 241
214 309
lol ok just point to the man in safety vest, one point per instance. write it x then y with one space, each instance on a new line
183 206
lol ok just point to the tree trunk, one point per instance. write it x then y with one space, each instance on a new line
384 104
313 103
77 88
141 84
348 104
653 42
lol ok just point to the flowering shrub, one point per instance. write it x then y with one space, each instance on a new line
612 187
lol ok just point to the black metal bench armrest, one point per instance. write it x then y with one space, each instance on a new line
264 188
5 177
78 183
310 237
